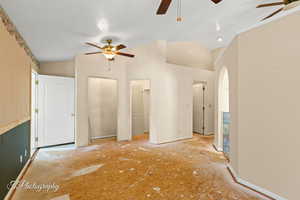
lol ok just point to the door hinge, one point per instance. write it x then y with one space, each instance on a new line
36 139
36 82
36 111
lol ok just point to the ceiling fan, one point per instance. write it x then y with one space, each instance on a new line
164 6
287 5
109 51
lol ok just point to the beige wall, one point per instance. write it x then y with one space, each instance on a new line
59 68
15 78
229 61
171 92
264 63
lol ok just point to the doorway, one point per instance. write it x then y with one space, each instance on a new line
223 112
102 108
140 108
56 105
199 107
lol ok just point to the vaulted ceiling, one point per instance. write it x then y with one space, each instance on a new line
57 29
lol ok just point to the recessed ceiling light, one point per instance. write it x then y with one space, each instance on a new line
218 27
103 25
220 39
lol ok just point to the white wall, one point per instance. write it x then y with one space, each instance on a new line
87 66
171 92
102 100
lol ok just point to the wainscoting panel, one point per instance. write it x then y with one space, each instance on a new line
14 153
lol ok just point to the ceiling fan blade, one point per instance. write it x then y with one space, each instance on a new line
216 1
94 45
121 46
274 13
163 8
270 4
93 53
125 54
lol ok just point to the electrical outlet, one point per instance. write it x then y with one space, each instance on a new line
21 158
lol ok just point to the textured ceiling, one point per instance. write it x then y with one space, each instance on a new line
190 54
57 29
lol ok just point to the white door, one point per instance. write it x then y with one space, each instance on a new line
198 108
55 110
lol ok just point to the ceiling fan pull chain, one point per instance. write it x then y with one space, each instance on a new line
179 18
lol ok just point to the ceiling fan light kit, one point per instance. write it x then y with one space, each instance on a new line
287 4
109 51
165 4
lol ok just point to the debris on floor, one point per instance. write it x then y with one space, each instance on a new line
86 170
64 197
188 170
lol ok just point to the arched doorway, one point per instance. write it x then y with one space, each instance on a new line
223 112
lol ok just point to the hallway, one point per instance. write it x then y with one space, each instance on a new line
189 169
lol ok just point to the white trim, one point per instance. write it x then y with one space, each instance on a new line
217 148
197 131
11 190
178 139
254 187
101 137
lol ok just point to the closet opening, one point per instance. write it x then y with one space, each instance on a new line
140 109
102 108
199 107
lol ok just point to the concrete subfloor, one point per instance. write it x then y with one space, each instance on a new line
137 170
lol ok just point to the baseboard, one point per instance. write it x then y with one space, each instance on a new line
55 145
197 132
102 137
257 189
175 140
217 149
12 190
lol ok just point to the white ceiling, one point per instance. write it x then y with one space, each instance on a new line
57 29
